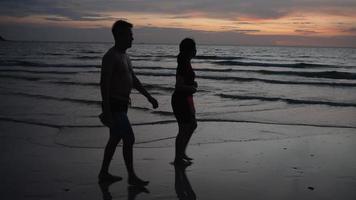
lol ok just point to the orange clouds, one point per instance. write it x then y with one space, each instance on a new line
294 24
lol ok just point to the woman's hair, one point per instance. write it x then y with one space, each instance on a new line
186 46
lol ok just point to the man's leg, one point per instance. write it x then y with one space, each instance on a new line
127 150
108 154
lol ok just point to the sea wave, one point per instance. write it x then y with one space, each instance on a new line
243 79
196 69
147 86
40 64
91 52
35 122
322 74
20 77
222 78
145 56
153 68
288 65
75 83
88 57
36 71
287 100
47 97
218 57
199 57
54 54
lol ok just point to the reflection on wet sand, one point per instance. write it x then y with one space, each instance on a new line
182 186
132 191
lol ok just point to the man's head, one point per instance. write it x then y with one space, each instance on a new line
122 33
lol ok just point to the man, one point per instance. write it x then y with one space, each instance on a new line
117 80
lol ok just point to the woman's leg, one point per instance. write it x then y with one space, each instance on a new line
183 134
191 128
179 142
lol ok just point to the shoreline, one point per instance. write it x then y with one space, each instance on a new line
322 166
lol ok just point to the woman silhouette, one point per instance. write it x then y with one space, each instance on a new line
182 100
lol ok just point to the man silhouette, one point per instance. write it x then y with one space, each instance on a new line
117 80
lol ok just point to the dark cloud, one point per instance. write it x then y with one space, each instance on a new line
351 30
246 30
186 16
66 9
168 35
57 19
302 23
231 9
235 10
243 23
305 32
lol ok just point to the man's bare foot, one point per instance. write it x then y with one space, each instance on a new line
135 190
135 181
106 177
182 162
185 157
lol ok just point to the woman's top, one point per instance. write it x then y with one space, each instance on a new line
185 70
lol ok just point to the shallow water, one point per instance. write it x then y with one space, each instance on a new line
57 83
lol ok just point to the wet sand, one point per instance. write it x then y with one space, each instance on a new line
231 161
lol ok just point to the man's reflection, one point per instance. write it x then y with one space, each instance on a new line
104 187
183 188
132 191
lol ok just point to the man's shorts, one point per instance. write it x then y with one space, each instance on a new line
121 125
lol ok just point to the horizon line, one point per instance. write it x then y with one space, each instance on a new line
160 43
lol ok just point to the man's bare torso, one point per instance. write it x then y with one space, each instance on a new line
121 76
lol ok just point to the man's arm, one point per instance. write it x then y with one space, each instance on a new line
138 86
105 81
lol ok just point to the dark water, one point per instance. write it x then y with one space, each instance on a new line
58 83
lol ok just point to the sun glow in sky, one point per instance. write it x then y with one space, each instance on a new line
252 18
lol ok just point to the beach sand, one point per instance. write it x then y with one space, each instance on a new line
231 161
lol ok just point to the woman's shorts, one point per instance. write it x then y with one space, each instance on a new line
183 108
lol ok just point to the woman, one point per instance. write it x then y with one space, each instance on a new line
182 100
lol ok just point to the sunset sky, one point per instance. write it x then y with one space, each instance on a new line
235 22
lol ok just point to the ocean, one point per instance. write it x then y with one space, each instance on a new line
57 84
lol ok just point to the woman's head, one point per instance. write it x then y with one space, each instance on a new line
187 48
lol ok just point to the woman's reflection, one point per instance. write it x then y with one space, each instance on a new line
183 188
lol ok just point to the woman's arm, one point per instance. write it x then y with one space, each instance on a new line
182 87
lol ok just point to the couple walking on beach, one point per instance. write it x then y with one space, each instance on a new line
117 80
